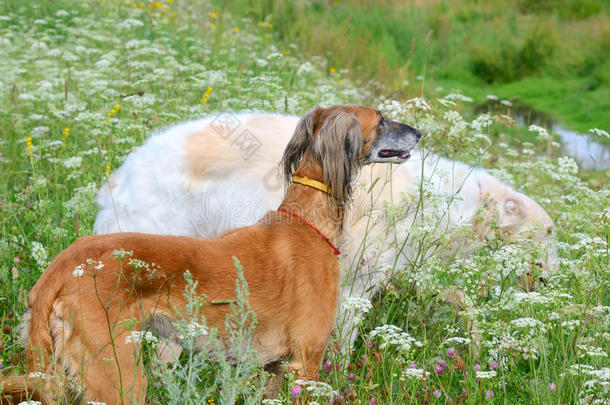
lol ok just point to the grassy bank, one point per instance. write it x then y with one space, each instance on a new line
84 83
553 56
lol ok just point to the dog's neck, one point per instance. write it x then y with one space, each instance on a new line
315 206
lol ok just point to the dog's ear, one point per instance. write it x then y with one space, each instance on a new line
511 212
302 138
338 146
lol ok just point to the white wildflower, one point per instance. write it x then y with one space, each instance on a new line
39 254
317 388
446 103
97 266
417 373
542 132
139 336
356 304
511 259
530 298
599 132
506 103
554 316
481 122
486 374
195 330
458 97
120 254
492 97
419 103
452 116
570 325
527 323
95 403
392 109
37 374
73 163
305 69
567 165
392 335
30 403
79 271
130 23
457 340
592 351
578 369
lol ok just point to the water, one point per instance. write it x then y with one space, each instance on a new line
583 148
589 154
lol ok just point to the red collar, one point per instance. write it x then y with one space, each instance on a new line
336 251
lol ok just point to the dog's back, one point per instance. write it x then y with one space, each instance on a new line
176 182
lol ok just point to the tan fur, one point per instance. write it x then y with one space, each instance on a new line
292 274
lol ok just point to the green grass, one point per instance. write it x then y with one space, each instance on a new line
510 48
68 64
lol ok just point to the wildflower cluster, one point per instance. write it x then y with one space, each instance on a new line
502 343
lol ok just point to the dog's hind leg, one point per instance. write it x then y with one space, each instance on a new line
277 372
115 381
308 353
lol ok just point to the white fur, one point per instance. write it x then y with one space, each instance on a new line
155 191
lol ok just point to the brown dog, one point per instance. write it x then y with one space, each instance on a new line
289 262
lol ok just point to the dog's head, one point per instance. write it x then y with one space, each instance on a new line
521 218
330 144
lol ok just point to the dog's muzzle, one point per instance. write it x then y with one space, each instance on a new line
394 144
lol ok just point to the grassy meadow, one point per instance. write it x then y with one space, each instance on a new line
550 55
83 83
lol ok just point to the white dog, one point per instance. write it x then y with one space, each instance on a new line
205 177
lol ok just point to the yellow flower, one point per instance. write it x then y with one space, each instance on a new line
151 6
29 145
270 26
332 70
261 24
236 30
158 4
212 26
206 96
117 107
127 2
214 15
169 1
107 171
66 134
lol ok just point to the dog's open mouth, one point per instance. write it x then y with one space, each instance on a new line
389 153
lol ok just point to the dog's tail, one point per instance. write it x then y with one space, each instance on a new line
37 333
18 389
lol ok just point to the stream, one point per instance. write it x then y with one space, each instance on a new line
583 148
